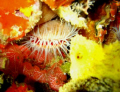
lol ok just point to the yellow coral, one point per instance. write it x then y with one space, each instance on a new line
72 17
89 59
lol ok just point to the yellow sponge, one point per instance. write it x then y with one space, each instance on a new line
90 59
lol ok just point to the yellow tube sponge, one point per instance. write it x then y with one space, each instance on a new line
90 59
